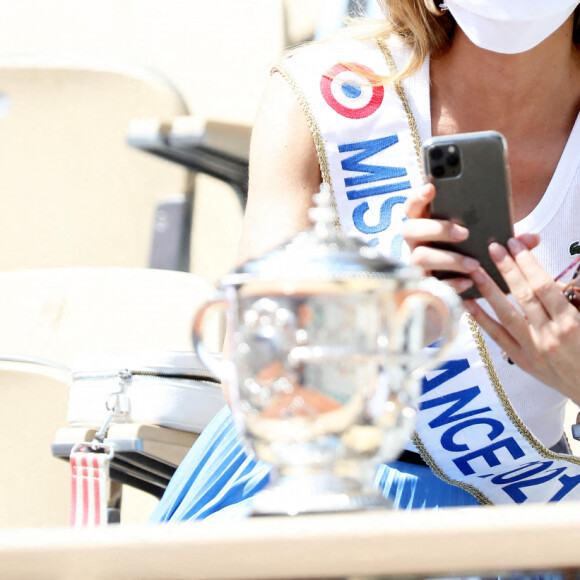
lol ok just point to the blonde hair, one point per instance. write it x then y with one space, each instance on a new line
419 23
425 29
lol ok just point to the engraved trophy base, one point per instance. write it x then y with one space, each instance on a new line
316 494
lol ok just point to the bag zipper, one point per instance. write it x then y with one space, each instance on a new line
198 375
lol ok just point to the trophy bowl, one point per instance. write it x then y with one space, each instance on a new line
323 359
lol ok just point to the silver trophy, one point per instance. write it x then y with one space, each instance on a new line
326 346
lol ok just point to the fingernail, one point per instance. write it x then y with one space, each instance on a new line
515 246
470 306
470 264
458 233
497 252
463 285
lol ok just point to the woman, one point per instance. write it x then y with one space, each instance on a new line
458 67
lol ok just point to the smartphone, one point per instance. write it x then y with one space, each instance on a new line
471 176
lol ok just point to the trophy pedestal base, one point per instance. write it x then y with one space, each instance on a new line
312 494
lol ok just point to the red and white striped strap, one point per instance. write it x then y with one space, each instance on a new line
90 488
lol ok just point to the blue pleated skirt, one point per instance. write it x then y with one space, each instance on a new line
218 479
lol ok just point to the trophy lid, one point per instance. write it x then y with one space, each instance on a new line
322 253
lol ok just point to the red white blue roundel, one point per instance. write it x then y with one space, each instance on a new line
350 94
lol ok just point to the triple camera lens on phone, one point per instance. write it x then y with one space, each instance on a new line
445 161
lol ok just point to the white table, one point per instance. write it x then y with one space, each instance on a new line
364 545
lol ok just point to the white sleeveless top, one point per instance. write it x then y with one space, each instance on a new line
556 218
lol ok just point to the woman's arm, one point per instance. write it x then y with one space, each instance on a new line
284 173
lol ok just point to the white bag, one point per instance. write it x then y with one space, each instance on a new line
169 389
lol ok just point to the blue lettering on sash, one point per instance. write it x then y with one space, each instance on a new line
520 473
520 480
448 442
523 476
368 173
461 399
488 454
568 484
451 369
512 482
384 219
373 172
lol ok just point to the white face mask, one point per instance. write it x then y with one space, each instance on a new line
510 26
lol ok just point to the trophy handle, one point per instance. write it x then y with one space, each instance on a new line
413 323
210 360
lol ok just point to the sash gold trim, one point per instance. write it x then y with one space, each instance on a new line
426 456
316 135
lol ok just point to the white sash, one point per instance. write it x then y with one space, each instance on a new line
369 152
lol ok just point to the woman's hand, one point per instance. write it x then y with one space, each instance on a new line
543 336
419 231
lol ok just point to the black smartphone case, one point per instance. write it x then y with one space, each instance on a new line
474 192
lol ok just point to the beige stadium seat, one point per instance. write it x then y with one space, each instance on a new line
216 53
58 315
73 192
